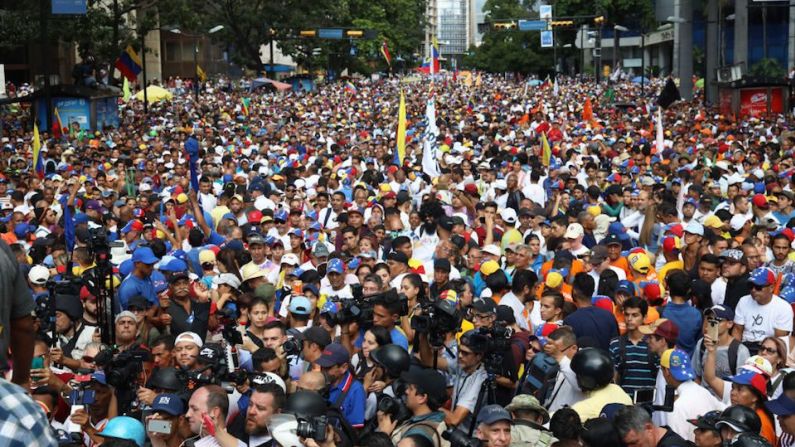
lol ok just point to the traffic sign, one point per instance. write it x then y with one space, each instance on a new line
545 12
532 25
547 39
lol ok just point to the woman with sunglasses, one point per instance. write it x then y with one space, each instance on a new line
774 351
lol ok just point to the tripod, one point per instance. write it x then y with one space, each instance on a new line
486 396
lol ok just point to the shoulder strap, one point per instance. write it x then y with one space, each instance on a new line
622 356
436 437
341 398
734 346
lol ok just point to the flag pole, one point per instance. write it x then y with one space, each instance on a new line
143 67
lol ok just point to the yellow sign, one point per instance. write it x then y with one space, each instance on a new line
606 71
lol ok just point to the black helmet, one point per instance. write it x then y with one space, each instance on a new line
741 419
70 305
593 367
305 404
749 440
165 379
393 358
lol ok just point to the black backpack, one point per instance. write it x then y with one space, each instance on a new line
734 346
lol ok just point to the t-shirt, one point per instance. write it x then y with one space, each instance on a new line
638 368
466 386
134 286
354 404
761 321
591 407
671 439
593 322
688 320
16 302
722 365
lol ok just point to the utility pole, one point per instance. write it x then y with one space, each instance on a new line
45 46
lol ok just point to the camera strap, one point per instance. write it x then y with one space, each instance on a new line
344 393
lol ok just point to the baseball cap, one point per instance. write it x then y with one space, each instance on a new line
732 255
598 254
762 276
144 255
255 239
485 305
528 402
694 228
554 280
290 259
661 327
492 249
124 314
489 267
397 256
206 256
626 287
493 413
671 244
678 363
442 264
168 403
38 274
191 337
318 335
760 201
300 305
334 354
754 379
431 381
227 278
611 239
251 271
573 231
639 262
721 312
706 421
781 406
138 302
320 250
335 266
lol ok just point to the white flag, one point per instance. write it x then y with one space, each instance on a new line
555 87
429 165
660 139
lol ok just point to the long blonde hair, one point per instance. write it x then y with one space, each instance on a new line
648 224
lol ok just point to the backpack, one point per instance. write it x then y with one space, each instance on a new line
622 355
734 346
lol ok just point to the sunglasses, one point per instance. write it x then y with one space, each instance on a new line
88 359
756 287
769 350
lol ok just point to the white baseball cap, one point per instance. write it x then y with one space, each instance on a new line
39 275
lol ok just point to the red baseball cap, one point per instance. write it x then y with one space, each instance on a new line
760 201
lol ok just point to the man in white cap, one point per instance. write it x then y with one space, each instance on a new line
186 350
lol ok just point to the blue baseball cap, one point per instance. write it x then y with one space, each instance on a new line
280 215
678 363
169 403
781 406
788 294
335 266
296 232
721 312
493 413
144 255
334 354
99 376
300 305
762 276
626 286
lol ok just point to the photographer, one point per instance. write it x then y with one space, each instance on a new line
389 362
73 335
426 392
94 419
468 374
484 315
315 340
168 412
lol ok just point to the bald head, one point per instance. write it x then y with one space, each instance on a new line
312 380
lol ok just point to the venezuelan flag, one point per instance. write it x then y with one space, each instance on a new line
246 102
400 153
38 163
129 64
350 88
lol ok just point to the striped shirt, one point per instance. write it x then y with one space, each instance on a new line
637 367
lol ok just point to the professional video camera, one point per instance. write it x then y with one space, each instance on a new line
218 367
394 407
494 342
98 244
314 428
436 319
360 307
122 368
45 305
458 438
227 318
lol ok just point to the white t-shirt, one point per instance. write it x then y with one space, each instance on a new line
693 401
762 321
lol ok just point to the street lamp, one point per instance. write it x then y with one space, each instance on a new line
195 37
616 44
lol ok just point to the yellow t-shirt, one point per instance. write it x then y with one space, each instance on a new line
591 407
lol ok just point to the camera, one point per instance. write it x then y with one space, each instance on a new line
292 347
394 407
219 363
458 438
437 319
227 317
122 369
494 342
314 428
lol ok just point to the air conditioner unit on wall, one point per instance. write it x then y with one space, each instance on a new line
730 73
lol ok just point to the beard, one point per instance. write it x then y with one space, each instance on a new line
252 429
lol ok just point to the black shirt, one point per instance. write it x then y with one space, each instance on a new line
671 439
736 288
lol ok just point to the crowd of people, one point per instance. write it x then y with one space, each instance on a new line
261 268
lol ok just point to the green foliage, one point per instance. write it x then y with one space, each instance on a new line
769 68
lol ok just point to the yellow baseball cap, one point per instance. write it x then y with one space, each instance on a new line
554 280
489 267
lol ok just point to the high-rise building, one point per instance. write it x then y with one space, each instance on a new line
453 27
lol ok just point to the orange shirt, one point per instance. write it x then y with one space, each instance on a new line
623 264
768 429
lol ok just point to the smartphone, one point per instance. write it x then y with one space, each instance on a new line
72 427
298 287
644 396
713 329
159 426
36 363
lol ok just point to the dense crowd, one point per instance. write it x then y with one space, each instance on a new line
260 268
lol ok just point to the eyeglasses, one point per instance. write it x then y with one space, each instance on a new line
756 287
480 316
88 359
768 350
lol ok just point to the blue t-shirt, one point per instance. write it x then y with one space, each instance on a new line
134 286
354 404
594 322
688 320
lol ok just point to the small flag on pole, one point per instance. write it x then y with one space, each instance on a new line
385 53
350 88
660 138
546 151
246 103
57 124
125 89
200 73
400 153
38 163
129 64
